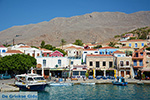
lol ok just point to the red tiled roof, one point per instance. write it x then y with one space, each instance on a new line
1 46
74 47
98 55
14 51
90 49
119 52
124 47
107 48
135 40
24 47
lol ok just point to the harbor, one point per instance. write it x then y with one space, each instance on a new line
9 86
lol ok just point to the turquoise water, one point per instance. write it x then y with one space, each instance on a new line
96 92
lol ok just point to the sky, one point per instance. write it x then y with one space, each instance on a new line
24 12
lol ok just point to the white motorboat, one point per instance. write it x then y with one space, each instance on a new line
60 84
32 82
87 83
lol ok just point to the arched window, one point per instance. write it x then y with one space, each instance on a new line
44 62
59 62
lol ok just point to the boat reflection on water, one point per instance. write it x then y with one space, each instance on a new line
31 82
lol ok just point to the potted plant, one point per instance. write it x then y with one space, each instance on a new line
143 77
87 75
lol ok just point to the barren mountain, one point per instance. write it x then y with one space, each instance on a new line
97 26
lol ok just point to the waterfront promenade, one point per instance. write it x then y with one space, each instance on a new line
8 85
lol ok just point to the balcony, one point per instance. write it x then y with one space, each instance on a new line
123 67
137 58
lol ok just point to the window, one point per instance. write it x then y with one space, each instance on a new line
123 44
44 62
3 50
129 44
141 62
104 63
30 79
141 53
127 72
127 63
100 52
97 63
136 54
110 64
47 54
121 63
38 54
71 62
95 52
136 45
75 72
85 52
82 72
59 62
142 44
135 63
91 63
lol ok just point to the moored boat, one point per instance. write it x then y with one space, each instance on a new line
87 83
31 82
60 84
120 81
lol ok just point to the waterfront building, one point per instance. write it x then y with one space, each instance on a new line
100 65
135 44
78 71
54 64
139 60
88 51
107 50
123 64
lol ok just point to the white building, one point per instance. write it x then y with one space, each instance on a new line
89 51
2 50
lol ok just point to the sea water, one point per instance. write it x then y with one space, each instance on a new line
96 92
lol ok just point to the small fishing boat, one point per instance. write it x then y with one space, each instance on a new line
31 82
120 81
87 83
60 84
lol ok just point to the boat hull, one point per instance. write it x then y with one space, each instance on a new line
38 87
60 84
120 83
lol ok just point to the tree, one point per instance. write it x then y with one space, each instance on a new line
63 42
98 46
78 42
17 63
112 44
42 44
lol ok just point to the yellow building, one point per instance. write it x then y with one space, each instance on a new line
136 44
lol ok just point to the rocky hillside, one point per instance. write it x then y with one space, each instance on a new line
92 27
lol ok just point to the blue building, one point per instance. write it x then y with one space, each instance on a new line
107 50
